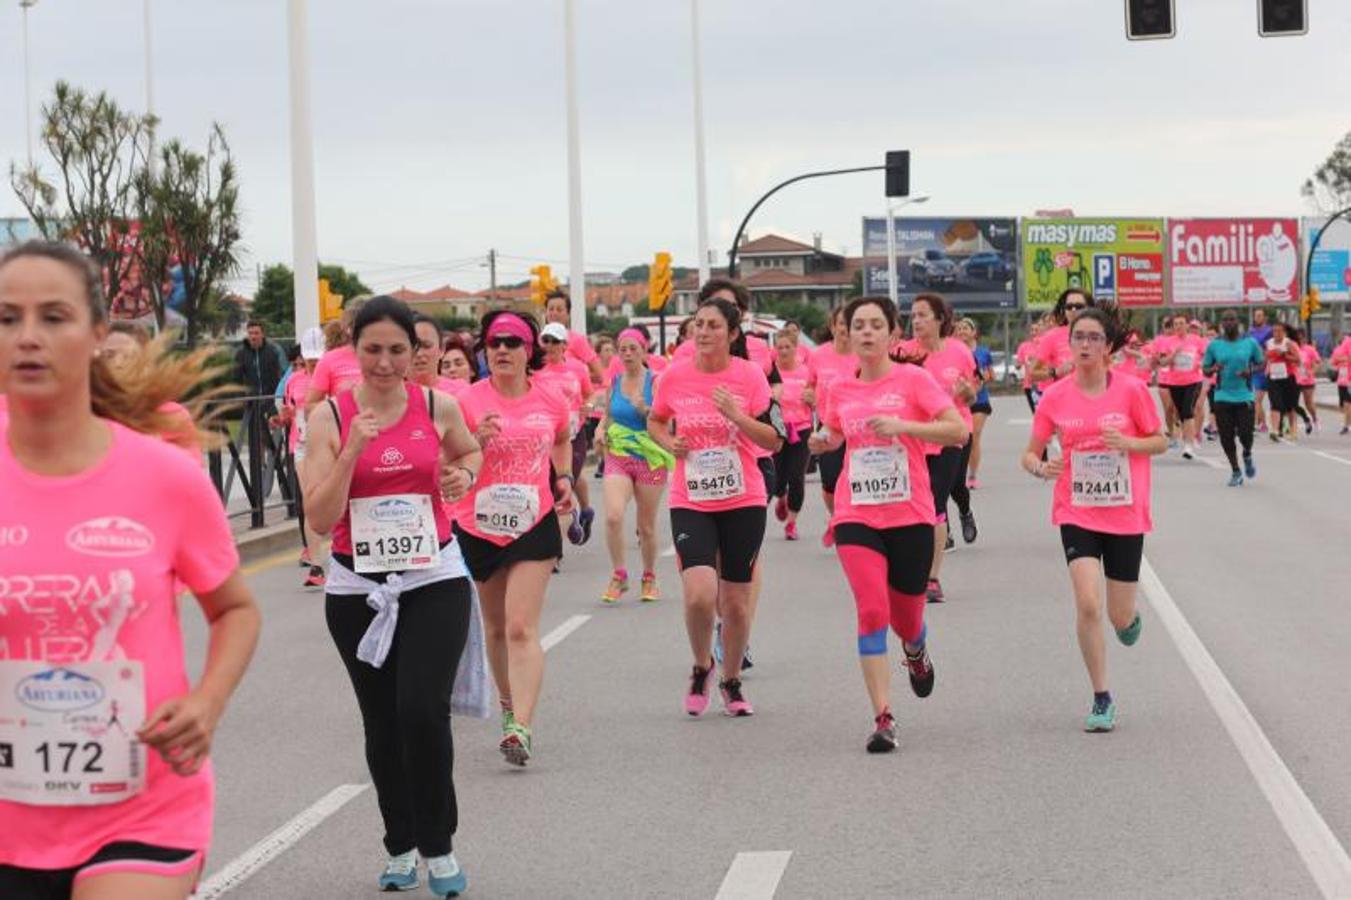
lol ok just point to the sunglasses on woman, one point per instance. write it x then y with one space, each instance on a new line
510 341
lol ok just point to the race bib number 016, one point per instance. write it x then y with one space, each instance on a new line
879 475
1100 478
506 510
714 473
68 732
396 533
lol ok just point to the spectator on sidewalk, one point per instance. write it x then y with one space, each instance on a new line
258 363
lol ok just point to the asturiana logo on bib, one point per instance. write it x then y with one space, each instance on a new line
59 691
111 536
393 510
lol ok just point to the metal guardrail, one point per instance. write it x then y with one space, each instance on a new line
269 458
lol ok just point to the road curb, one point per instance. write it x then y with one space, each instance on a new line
260 543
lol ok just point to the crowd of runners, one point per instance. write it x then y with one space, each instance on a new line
447 470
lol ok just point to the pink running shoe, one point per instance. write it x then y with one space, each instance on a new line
781 508
701 690
828 539
790 531
733 704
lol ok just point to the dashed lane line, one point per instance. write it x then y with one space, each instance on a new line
555 637
754 876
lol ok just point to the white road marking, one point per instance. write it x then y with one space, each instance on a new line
754 876
1213 463
239 869
1018 421
1343 461
1323 855
555 637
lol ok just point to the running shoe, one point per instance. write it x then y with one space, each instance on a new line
828 539
315 578
1249 467
746 662
969 527
781 509
1275 438
1262 428
949 543
508 720
1187 451
933 592
1172 443
649 593
701 690
1345 430
588 516
619 584
790 532
1236 479
1308 428
1131 633
973 483
1101 718
733 703
883 738
574 531
305 558
400 873
445 878
970 482
921 671
516 745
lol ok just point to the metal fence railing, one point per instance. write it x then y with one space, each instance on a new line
256 456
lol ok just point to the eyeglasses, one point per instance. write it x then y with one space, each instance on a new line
1069 306
1088 337
548 340
510 341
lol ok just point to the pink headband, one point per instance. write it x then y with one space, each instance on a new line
510 324
634 334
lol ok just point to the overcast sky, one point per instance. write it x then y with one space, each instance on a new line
439 124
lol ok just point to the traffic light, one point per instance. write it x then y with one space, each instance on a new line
659 283
330 304
1148 20
1309 304
1282 18
898 173
542 285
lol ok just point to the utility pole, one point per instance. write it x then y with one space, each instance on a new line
492 276
577 283
304 240
27 82
700 177
149 87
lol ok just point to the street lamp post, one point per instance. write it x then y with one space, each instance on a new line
25 5
700 175
576 264
149 85
893 287
304 243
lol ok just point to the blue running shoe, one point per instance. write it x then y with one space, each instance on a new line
588 516
1249 467
1131 633
1102 718
400 873
575 529
445 878
1236 479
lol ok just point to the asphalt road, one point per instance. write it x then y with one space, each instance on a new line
995 790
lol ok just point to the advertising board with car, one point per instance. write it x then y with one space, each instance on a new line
971 261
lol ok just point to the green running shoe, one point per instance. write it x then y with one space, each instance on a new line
1131 633
516 745
1101 719
508 720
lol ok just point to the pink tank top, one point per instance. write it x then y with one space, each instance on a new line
402 459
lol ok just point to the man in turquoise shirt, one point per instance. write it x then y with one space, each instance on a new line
1234 358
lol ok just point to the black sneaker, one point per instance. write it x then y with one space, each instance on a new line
950 543
921 670
969 527
883 738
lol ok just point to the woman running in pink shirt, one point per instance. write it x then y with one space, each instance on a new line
96 497
1108 428
884 513
790 463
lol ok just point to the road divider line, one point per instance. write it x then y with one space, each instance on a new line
1338 459
555 637
1018 421
1213 463
1323 855
754 876
239 869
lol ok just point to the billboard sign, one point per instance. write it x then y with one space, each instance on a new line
972 262
1331 269
1114 259
1231 261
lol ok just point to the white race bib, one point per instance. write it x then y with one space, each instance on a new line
879 475
714 473
68 732
1183 362
506 510
1100 478
299 426
1278 371
1344 374
395 533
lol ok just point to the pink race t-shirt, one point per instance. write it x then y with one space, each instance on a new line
1341 358
1079 420
519 454
797 415
1020 356
337 371
1308 364
88 566
757 349
1187 352
686 394
580 349
572 381
1053 349
828 366
4 410
951 362
1129 365
452 386
907 392
655 362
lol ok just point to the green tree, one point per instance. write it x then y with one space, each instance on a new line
1329 188
274 303
808 315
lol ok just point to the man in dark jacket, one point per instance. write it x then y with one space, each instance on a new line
258 363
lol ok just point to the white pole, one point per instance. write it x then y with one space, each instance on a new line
700 175
893 289
27 83
304 243
149 84
577 285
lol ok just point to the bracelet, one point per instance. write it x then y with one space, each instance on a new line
572 481
473 476
1040 471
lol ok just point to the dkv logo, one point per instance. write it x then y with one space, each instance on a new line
112 536
59 691
393 510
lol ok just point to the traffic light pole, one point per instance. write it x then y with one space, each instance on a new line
736 241
1313 248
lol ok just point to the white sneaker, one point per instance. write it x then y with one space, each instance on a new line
1187 452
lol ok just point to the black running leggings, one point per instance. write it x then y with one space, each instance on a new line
405 709
1234 419
960 492
790 468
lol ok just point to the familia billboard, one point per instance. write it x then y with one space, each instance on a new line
1330 268
972 262
1228 261
1114 259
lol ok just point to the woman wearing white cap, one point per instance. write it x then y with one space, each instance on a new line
292 415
